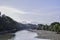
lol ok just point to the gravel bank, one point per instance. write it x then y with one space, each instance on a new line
48 35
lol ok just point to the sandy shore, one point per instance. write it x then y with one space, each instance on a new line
48 35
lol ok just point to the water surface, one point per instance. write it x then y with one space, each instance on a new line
21 35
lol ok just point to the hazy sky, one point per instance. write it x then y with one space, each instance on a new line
32 11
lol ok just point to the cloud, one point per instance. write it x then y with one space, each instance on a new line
6 9
12 12
44 16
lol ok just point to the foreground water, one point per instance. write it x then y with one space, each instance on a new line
21 35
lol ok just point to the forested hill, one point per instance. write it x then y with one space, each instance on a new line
8 25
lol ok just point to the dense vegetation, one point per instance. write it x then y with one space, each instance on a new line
55 26
7 24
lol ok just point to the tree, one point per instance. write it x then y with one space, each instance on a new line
40 27
7 24
55 26
46 27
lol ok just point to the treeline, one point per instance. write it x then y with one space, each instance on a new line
7 24
55 26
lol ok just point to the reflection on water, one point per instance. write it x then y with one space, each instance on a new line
21 35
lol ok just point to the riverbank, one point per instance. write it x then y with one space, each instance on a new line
48 35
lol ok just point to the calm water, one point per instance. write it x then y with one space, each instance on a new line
21 35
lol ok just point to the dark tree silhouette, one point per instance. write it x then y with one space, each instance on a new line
7 24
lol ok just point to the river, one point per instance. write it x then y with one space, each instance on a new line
20 35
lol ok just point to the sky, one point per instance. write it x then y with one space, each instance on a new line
32 11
